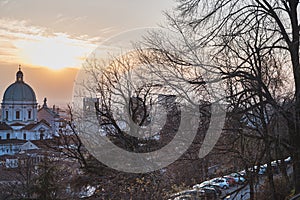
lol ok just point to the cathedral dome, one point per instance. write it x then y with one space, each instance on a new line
19 91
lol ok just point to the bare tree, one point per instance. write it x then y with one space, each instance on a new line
231 19
252 44
37 177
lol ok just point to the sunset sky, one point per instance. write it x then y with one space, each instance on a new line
51 39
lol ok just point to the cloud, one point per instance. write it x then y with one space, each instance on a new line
10 26
4 3
22 42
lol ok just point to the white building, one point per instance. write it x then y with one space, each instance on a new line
19 119
19 113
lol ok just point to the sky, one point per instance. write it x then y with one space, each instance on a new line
51 39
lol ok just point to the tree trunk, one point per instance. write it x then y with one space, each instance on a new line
295 133
294 51
283 169
293 126
251 187
270 174
296 165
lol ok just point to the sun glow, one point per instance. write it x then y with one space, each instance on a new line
56 52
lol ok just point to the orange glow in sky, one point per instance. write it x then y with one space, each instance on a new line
51 39
56 52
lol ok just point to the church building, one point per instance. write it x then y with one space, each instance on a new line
19 117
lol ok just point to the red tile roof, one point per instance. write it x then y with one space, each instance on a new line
17 124
31 126
13 141
4 126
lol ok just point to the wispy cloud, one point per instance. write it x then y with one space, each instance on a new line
4 3
11 26
39 46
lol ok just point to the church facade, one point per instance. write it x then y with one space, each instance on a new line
20 121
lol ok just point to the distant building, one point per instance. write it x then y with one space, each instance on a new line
166 100
53 117
21 121
11 163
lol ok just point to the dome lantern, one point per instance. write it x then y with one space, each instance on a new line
19 75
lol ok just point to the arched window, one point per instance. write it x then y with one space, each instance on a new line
8 136
29 114
17 114
24 136
42 135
